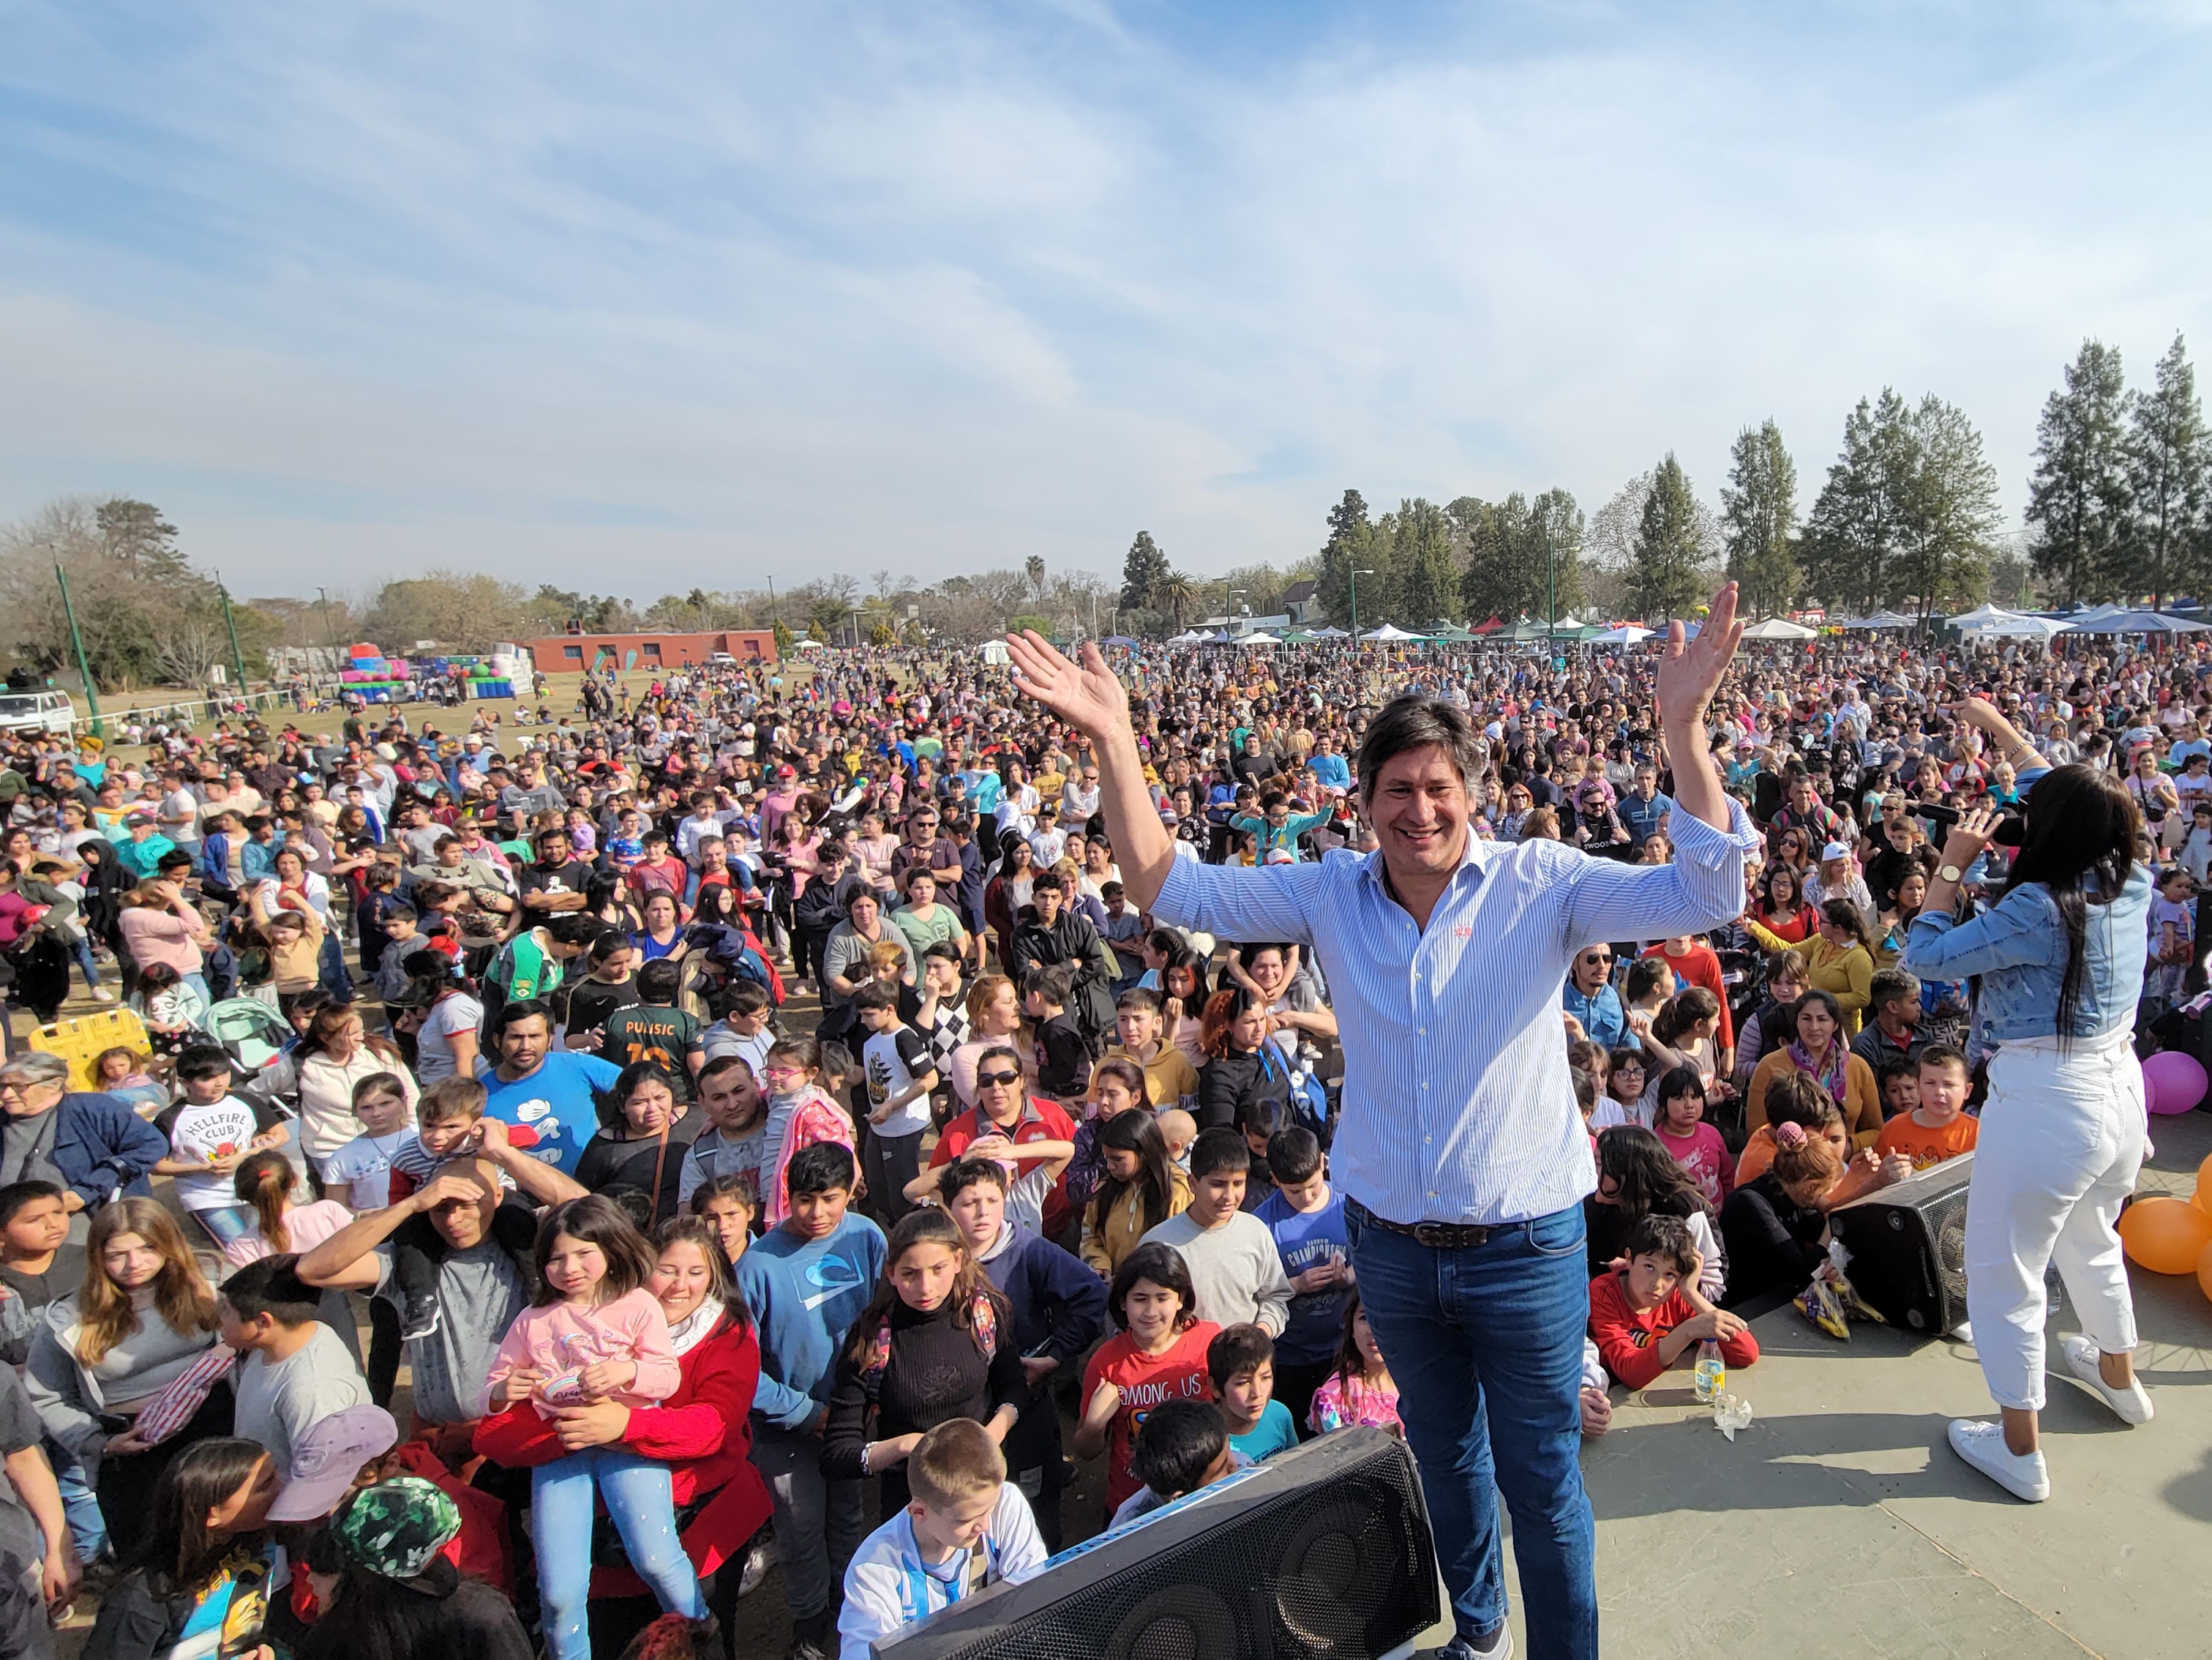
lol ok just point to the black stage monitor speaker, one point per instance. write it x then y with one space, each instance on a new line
1908 1246
1323 1553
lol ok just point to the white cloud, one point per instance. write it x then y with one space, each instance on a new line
936 288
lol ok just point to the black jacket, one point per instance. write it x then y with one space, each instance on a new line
1238 1086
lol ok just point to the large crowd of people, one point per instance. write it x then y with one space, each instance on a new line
792 1121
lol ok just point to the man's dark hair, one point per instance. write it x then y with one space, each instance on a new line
1178 1444
528 1008
660 981
1248 953
819 1168
1293 1155
1138 997
1051 879
1413 722
272 1286
1217 1149
1236 1349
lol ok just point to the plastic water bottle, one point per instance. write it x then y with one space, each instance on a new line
1712 1371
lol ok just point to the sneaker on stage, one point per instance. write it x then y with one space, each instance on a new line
1981 1443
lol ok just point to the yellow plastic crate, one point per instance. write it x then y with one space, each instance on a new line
84 1038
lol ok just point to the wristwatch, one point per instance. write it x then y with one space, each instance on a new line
1950 873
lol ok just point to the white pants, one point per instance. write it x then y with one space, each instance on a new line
2061 1140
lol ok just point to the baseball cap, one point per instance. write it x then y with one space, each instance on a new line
1834 850
136 819
328 1457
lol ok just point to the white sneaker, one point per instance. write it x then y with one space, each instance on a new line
1981 1443
2132 1404
101 995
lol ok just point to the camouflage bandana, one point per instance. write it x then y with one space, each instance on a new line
396 1527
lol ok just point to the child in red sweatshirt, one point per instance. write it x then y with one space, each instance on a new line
1645 1317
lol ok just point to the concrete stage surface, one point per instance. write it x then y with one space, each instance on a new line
1842 1523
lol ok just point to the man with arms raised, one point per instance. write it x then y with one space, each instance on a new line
1461 1154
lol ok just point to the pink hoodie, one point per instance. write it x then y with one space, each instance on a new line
562 1338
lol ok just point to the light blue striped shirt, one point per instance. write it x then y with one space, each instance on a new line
1457 1105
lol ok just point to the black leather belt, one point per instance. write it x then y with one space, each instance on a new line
1437 1236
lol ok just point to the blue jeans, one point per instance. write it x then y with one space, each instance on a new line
1485 1345
80 949
80 1504
637 1498
227 1223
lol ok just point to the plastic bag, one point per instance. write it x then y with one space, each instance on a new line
1831 1301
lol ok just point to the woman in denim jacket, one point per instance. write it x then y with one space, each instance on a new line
2060 959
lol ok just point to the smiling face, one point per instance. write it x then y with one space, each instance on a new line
682 1280
1419 810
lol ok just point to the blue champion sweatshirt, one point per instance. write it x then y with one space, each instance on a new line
804 1296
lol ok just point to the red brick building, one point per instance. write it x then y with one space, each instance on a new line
575 654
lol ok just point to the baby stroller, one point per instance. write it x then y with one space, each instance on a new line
248 1031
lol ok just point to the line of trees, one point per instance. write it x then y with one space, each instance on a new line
2119 507
1907 517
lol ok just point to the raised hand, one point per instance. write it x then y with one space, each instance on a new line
1690 670
1088 696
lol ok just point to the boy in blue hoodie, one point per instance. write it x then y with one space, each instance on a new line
1060 1309
807 1281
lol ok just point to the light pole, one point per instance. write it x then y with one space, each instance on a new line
1551 600
1229 597
1355 575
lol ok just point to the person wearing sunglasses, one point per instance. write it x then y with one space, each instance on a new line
1589 997
1030 1135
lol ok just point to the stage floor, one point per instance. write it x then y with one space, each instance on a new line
1842 1523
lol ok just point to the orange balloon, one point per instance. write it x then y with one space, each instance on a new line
2164 1234
2202 1197
2204 1271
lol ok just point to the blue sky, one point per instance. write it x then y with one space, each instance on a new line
639 298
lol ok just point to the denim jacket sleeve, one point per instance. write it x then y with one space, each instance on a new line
2016 934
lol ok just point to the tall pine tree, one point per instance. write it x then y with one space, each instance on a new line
1664 576
1949 520
1352 545
1142 571
1853 534
2166 453
1428 584
2077 496
1759 517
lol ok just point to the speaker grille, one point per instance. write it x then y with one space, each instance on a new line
1342 1571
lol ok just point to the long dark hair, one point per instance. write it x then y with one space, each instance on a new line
2082 823
1648 1180
595 1219
928 1227
1136 1131
176 1548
